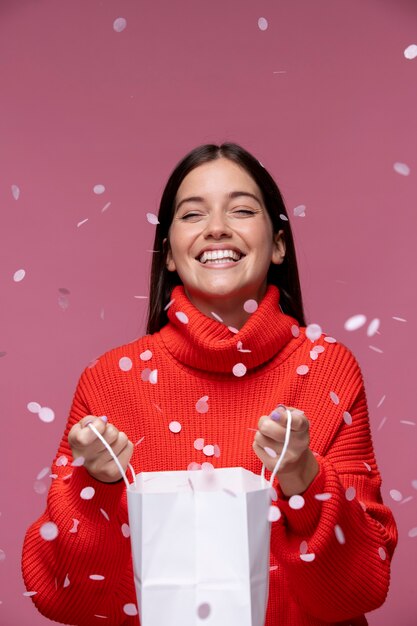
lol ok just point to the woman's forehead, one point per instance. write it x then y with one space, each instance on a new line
219 176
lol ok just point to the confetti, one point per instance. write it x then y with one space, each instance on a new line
145 374
66 582
396 495
216 451
273 513
373 327
270 452
375 349
15 192
402 168
139 441
125 364
33 407
380 402
99 189
295 330
406 500
203 611
29 594
347 418
152 219
62 461
412 532
119 25
323 496
44 472
330 339
2 555
296 502
308 558
199 444
233 329
414 484
313 332
82 222
240 348
75 523
350 493
182 317
334 397
303 547
283 217
313 355
87 493
130 609
411 51
96 577
153 377
355 322
217 317
384 419
239 370
382 554
192 467
105 514
106 206
407 422
146 355
302 370
262 23
48 531
398 319
175 427
201 406
78 462
39 487
125 530
19 275
169 304
250 306
299 211
46 414
208 450
229 492
340 536
368 467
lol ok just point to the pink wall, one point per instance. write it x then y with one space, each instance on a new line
324 97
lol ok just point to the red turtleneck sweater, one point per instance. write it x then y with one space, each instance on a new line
189 361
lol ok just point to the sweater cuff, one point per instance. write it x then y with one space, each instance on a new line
102 495
304 520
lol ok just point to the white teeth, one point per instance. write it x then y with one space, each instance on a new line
215 255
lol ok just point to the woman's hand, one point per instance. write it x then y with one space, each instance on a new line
97 460
299 466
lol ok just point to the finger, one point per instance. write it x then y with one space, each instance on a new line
299 421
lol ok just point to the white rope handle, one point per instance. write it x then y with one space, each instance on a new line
114 457
283 451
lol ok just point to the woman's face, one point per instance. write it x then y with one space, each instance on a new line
221 237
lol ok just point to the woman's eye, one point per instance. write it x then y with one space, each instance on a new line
190 215
245 211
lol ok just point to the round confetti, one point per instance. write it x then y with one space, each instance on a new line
350 493
216 451
207 467
334 397
283 217
347 417
152 219
318 349
145 374
99 189
192 467
270 452
203 611
182 317
153 377
208 450
146 355
239 369
125 364
340 536
273 513
201 405
296 502
34 407
412 532
330 339
119 25
15 192
96 577
302 370
199 444
19 275
175 427
396 495
130 609
355 322
78 462
411 51
300 210
262 23
295 330
49 531
125 530
303 547
250 306
382 554
314 355
308 558
2 555
313 332
373 327
46 414
402 168
61 461
87 493
414 484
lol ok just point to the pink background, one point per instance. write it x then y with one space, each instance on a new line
327 101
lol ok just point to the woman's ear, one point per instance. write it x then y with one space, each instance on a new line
170 265
279 248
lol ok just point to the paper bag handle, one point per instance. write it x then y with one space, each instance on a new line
115 459
283 451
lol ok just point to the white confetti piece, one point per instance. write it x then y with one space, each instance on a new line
398 319
318 349
125 364
139 441
414 484
382 554
402 169
169 304
411 51
303 547
62 461
106 206
340 536
273 513
48 531
99 189
82 222
240 347
46 414
119 25
182 317
78 462
262 23
296 502
368 467
2 555
407 499
199 443
15 192
33 407
373 327
407 422
412 532
302 370
347 418
75 523
125 530
270 452
105 514
203 610
87 493
396 495
314 355
19 275
66 582
313 332
300 210
44 472
153 377
152 218
96 577
208 450
192 467
380 402
146 355
350 493
375 349
323 496
382 422
217 317
295 330
239 370
282 216
130 609
233 329
201 406
250 306
29 594
273 568
308 558
330 339
355 322
175 427
334 397
101 616
145 374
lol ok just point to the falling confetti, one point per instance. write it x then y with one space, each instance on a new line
153 377
66 582
106 206
49 531
411 51
250 306
355 322
334 397
199 444
262 23
15 192
412 532
87 493
125 364
347 418
208 450
375 349
125 530
82 222
44 472
239 370
296 502
396 495
313 332
216 451
96 577
2 555
145 374
350 493
402 168
368 467
270 452
175 427
299 211
152 218
273 513
302 370
62 461
99 189
105 514
240 347
380 402
34 407
323 496
146 355
119 25
46 414
330 339
169 304
192 467
19 276
201 406
203 611
182 317
295 330
382 554
373 327
233 329
283 217
398 319
29 594
78 462
75 523
130 609
340 536
308 558
39 487
217 317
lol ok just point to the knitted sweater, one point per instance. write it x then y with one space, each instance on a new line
184 373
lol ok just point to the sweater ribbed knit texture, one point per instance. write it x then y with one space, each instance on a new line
343 524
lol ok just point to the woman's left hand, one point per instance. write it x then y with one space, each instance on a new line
299 466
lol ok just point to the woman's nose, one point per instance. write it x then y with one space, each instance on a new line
217 226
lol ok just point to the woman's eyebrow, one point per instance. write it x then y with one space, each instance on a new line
232 195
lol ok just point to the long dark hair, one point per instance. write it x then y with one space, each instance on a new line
284 276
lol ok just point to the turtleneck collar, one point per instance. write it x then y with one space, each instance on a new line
206 344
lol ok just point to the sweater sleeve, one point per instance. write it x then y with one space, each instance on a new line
337 548
84 574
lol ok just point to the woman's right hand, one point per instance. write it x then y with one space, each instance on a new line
97 460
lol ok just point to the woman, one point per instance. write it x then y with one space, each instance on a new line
226 328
